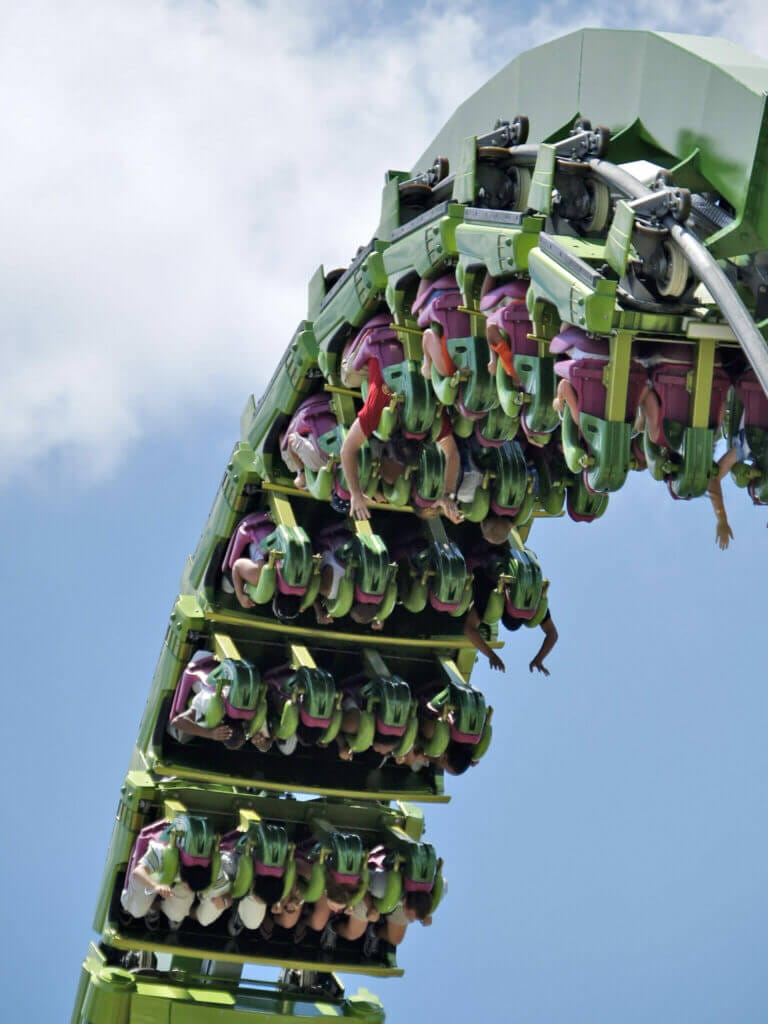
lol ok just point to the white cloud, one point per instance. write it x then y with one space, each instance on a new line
173 174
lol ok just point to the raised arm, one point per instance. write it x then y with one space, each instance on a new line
450 451
476 638
550 639
144 876
353 442
186 723
723 531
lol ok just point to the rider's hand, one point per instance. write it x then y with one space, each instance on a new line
358 507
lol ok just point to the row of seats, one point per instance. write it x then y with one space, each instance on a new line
234 703
263 875
344 572
400 467
594 438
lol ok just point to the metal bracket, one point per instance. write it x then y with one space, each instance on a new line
582 142
506 134
300 657
224 647
375 665
430 177
666 199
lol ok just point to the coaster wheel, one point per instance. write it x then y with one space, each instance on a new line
519 129
674 277
599 206
521 178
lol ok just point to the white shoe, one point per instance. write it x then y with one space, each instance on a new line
288 746
472 479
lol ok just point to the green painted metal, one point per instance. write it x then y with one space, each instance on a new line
190 630
346 304
618 244
537 377
608 458
618 376
339 827
293 378
229 506
580 294
712 124
494 241
508 472
111 995
421 248
689 466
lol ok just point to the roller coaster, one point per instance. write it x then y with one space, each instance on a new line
531 322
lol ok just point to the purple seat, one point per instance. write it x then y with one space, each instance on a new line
197 671
332 537
754 400
495 298
584 370
509 312
229 840
143 839
250 530
275 677
438 301
253 529
669 367
330 540
586 376
375 340
312 419
576 344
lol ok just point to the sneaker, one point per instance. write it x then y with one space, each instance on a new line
339 504
288 746
471 480
152 919
235 923
328 938
370 942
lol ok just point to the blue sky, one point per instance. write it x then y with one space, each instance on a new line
608 859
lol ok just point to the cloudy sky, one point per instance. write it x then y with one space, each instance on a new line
155 153
172 174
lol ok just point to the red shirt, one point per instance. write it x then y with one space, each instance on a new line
379 396
446 427
377 401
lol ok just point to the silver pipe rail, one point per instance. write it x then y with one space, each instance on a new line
704 266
